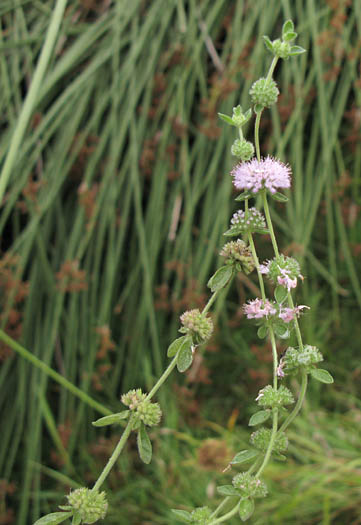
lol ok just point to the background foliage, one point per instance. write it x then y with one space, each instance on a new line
111 226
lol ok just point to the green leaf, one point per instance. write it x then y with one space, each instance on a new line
289 36
262 331
237 111
259 417
247 115
185 356
280 294
227 490
182 515
287 27
281 330
246 509
144 445
220 279
227 119
244 456
321 375
176 345
278 457
278 196
110 420
297 50
76 519
232 232
268 43
53 518
243 196
263 231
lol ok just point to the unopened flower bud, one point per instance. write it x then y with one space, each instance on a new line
149 413
264 92
239 254
269 397
198 326
261 438
248 222
249 486
133 398
89 505
201 516
242 149
281 49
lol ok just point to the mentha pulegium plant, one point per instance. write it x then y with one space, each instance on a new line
275 317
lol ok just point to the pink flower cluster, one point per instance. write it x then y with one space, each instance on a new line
259 308
266 173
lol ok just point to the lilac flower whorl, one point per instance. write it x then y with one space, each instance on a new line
267 173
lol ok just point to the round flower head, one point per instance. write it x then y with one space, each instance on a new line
259 308
242 149
88 505
255 175
238 253
249 486
264 92
242 222
201 516
197 325
261 438
283 270
295 359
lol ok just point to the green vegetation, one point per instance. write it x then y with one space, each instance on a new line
111 224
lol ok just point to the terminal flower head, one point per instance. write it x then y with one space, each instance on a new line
255 175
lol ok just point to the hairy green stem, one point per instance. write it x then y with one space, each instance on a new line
30 101
113 458
272 68
163 377
220 506
256 135
23 352
254 254
269 223
210 302
226 516
298 405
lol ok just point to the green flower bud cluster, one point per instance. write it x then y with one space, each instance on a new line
242 149
295 359
201 516
264 92
249 486
89 506
283 48
239 254
251 221
261 438
272 398
197 325
143 410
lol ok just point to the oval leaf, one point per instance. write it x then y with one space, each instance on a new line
244 456
76 519
243 196
175 346
246 509
53 518
185 356
287 27
278 457
227 490
281 330
220 279
259 417
268 43
110 420
144 445
226 118
288 37
321 375
262 331
278 196
182 515
232 232
280 294
296 50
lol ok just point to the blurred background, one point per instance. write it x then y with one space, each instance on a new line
112 223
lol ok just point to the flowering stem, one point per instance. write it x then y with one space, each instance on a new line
254 254
275 410
272 68
210 302
220 506
298 405
256 135
295 322
269 223
162 378
226 516
113 458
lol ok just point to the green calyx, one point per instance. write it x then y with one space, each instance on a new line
142 410
237 253
249 486
271 398
197 325
261 438
87 505
264 92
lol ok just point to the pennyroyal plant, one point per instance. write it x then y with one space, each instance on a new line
275 318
